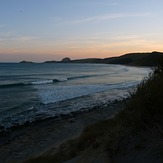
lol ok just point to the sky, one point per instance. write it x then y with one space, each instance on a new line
41 30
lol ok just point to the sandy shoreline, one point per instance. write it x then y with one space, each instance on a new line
42 137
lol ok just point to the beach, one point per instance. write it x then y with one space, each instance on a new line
42 137
43 105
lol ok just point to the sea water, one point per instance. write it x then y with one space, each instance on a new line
35 91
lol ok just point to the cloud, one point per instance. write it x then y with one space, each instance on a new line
23 38
9 36
99 18
128 37
111 16
105 3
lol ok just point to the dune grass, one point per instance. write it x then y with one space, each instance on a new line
143 114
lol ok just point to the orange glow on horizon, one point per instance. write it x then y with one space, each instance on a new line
77 51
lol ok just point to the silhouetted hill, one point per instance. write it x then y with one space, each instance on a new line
137 59
88 60
53 61
26 62
131 59
152 59
66 60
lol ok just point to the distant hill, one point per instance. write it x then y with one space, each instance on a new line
26 62
131 59
137 59
66 60
88 60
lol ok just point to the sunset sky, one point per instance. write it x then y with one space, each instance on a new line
40 30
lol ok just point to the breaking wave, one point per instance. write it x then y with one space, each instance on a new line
48 81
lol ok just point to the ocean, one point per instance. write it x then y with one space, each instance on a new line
36 91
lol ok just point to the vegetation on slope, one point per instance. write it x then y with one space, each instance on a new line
137 59
133 135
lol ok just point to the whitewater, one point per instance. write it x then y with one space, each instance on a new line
31 92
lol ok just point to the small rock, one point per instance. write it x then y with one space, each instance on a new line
71 120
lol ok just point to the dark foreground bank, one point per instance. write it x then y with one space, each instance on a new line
43 137
133 135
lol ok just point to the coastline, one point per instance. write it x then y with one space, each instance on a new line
43 137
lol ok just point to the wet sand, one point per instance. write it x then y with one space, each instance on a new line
43 137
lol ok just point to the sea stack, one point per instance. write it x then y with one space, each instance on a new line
66 60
